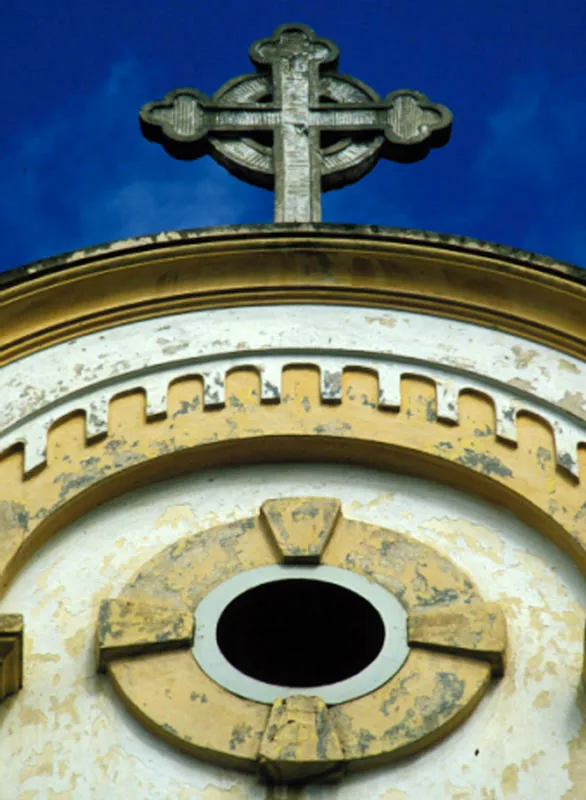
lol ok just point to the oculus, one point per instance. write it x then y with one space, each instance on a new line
279 631
299 643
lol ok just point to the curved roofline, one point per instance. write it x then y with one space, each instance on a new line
450 276
166 239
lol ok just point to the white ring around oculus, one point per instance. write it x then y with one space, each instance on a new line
387 663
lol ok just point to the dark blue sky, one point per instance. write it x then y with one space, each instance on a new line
75 171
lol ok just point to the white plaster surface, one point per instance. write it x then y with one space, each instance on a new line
66 735
516 373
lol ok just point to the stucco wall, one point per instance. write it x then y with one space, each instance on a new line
67 735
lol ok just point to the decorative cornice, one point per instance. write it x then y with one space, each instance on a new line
59 299
567 429
227 233
79 475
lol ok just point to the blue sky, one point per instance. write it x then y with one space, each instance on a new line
75 170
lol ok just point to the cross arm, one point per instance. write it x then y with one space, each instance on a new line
410 123
183 120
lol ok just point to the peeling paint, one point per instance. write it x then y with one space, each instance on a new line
523 356
432 513
488 465
34 409
576 764
510 780
546 649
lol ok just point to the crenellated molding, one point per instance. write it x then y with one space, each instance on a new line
302 426
568 431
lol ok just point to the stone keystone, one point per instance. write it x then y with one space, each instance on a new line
301 526
296 126
299 742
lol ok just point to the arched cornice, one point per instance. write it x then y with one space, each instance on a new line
90 290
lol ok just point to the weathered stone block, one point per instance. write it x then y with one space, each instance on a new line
301 526
474 630
129 626
11 634
299 741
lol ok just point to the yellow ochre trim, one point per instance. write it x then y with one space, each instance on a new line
112 285
78 475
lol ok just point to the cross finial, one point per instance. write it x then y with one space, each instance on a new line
296 126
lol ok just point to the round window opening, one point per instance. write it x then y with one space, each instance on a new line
299 632
277 631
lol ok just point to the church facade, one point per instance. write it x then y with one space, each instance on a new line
293 510
183 412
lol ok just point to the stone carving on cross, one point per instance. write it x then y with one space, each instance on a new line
296 126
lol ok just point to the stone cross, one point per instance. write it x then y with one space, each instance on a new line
296 125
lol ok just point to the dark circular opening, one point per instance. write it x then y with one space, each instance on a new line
300 632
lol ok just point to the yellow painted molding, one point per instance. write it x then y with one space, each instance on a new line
476 630
299 742
445 276
468 455
131 626
11 635
301 527
393 722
